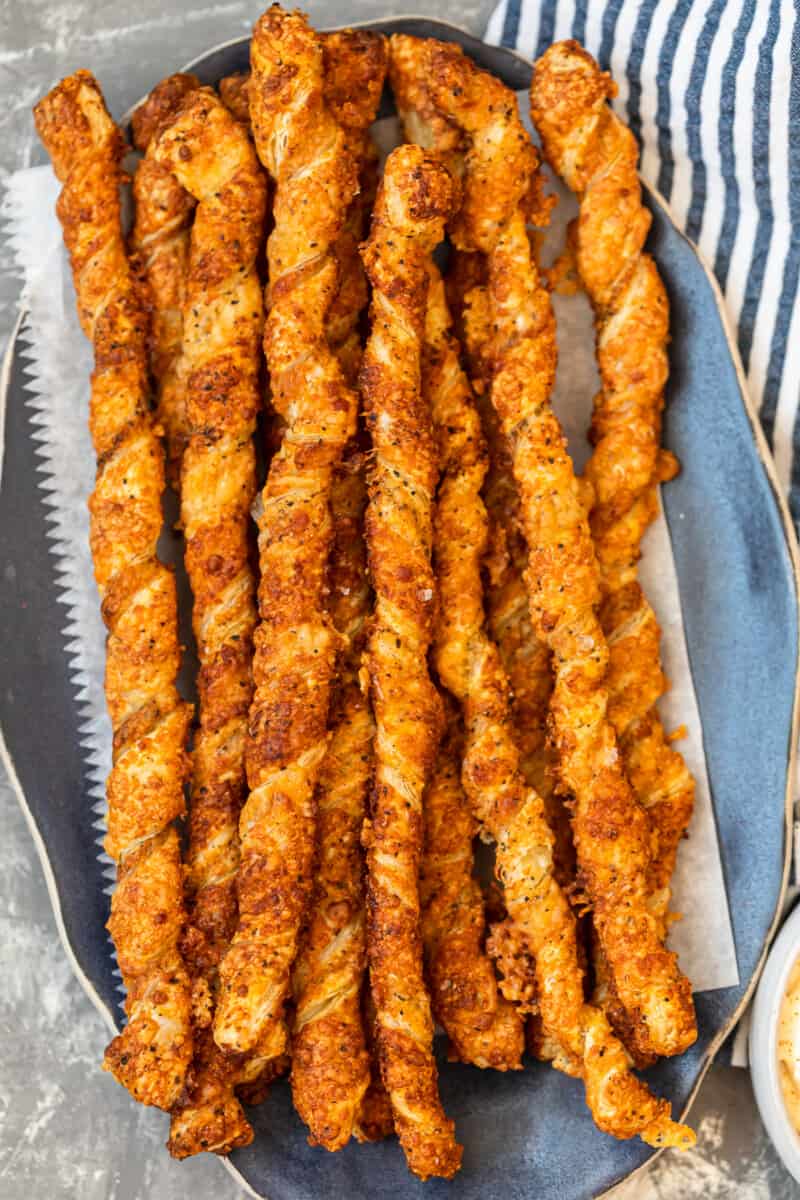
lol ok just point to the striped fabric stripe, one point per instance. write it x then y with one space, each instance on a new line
712 90
760 244
693 109
725 140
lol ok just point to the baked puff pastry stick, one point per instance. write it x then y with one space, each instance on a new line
150 722
414 200
412 60
539 935
610 828
332 1080
163 213
596 155
211 156
526 659
304 150
482 1026
355 63
355 69
330 1063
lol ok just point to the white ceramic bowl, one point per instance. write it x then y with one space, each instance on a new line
763 1042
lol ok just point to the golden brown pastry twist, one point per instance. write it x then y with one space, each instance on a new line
540 933
423 123
414 199
525 659
483 1028
427 124
330 1064
328 1070
355 62
149 721
163 216
211 156
355 69
304 150
596 154
160 244
610 828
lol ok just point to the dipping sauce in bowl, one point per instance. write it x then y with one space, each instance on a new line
788 1046
775 1043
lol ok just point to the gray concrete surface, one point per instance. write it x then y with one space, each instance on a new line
66 1129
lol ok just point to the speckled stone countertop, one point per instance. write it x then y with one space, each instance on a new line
66 1129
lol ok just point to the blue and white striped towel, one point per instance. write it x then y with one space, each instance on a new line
711 88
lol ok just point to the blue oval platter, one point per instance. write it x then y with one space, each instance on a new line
526 1134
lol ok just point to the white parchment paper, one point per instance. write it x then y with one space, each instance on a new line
58 362
58 365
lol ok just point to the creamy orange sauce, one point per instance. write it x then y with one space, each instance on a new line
789 1046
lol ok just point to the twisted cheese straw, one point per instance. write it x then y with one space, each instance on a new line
423 123
526 662
374 1121
483 1027
354 69
453 921
210 155
596 155
330 1063
611 829
414 199
150 723
163 213
524 656
526 659
304 150
161 241
540 921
